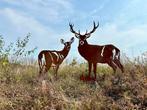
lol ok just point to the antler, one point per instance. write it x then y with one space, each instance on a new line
72 30
94 28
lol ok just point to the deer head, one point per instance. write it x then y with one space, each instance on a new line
67 45
82 38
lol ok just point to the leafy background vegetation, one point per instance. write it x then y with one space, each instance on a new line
20 88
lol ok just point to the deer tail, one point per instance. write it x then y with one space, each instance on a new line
117 55
40 63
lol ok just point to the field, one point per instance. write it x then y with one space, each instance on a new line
20 88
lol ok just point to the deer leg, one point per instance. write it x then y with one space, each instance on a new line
117 62
42 70
94 70
46 67
56 70
90 66
89 72
43 73
112 65
87 78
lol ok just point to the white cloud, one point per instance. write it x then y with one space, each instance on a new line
21 24
47 10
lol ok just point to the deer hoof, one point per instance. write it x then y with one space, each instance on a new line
87 78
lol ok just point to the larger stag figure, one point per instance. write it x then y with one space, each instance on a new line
47 58
97 53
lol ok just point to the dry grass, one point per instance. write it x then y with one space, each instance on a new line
21 90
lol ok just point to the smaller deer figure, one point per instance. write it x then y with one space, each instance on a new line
48 58
94 54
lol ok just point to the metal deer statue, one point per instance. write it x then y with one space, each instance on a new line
97 53
47 58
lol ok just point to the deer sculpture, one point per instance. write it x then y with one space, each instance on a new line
48 58
94 54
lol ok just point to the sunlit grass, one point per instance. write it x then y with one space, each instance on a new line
21 89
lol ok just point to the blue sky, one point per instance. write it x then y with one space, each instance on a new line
122 23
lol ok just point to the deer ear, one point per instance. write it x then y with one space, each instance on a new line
62 41
77 36
72 40
88 35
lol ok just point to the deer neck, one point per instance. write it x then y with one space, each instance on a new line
64 52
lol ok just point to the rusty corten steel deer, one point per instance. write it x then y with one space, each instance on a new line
97 53
47 58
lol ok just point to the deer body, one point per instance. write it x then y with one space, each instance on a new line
54 57
48 58
97 53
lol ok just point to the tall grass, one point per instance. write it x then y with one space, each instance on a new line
20 88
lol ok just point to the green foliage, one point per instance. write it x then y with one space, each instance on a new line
20 47
4 51
15 50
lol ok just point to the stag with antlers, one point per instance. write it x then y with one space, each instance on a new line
94 54
47 58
